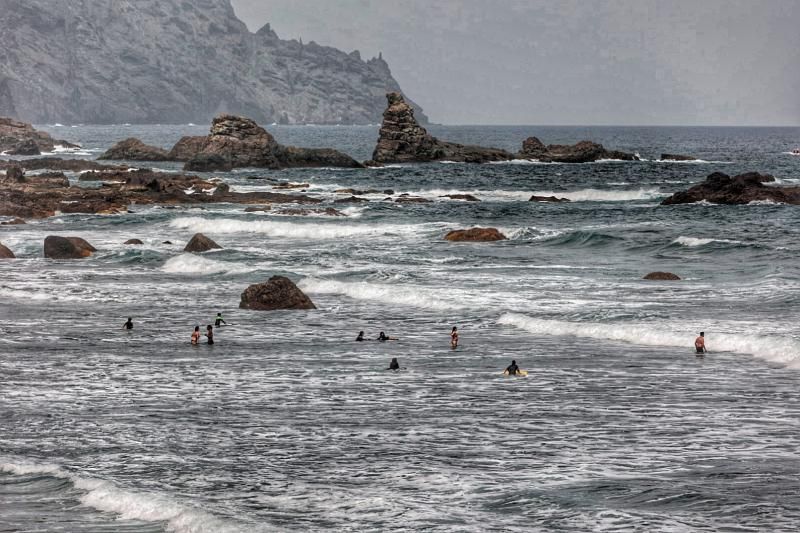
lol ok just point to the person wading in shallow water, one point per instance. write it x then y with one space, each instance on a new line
512 369
219 320
196 335
129 324
700 343
210 334
360 337
454 338
394 365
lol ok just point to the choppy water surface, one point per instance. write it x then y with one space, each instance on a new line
287 424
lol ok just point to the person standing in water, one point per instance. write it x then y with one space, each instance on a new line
219 320
394 365
129 324
360 337
454 338
700 343
210 334
196 335
512 369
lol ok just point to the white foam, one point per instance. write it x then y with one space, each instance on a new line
693 242
774 348
598 195
424 297
274 228
198 265
129 505
692 162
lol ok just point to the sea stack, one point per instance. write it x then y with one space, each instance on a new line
582 152
403 140
721 188
278 292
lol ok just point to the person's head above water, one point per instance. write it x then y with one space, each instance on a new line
513 361
702 333
129 319
455 328
197 328
209 327
219 314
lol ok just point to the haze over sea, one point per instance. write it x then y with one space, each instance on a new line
287 424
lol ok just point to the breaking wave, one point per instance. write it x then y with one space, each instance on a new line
198 265
598 195
693 242
772 348
273 228
424 297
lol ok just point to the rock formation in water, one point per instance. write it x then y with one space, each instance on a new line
662 276
551 199
720 188
403 140
133 149
67 248
582 152
277 293
5 253
677 157
475 235
173 61
200 243
19 138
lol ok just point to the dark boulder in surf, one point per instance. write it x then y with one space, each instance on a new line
403 140
26 147
582 152
133 242
56 247
5 253
200 243
133 149
13 222
677 157
661 276
720 188
465 197
475 235
278 292
551 199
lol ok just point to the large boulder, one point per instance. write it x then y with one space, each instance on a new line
475 235
582 152
200 243
67 248
25 147
133 149
5 253
662 276
277 293
21 137
133 242
552 199
15 174
721 188
403 140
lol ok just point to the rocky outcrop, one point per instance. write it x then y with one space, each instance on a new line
720 188
12 222
295 211
133 242
661 276
173 62
403 140
52 163
465 197
133 149
582 152
553 199
677 157
5 253
236 142
19 138
475 235
200 243
67 248
277 293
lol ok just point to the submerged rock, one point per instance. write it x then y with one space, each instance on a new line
661 276
133 149
465 197
13 222
535 198
200 243
475 235
277 293
721 188
5 253
56 247
403 140
677 157
134 242
582 152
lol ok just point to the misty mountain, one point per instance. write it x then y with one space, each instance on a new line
173 61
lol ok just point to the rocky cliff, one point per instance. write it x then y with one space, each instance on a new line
173 61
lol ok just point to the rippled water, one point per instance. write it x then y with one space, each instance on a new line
287 424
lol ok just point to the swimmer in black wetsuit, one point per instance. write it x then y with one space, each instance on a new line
128 324
394 365
382 337
360 337
219 320
210 334
512 369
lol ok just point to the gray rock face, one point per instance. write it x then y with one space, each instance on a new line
200 243
67 248
403 140
19 138
5 253
277 293
173 61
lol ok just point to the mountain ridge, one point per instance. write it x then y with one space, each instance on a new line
171 61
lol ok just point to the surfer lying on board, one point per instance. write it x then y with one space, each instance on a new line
394 365
700 343
128 324
382 337
512 369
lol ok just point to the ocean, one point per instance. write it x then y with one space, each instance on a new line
288 424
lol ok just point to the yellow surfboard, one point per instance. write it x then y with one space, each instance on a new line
520 374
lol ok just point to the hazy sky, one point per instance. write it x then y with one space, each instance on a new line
719 62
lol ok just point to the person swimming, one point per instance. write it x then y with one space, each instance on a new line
196 335
219 320
394 365
512 369
360 337
129 324
210 334
454 338
382 337
700 343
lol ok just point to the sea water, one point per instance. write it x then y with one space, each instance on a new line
288 424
